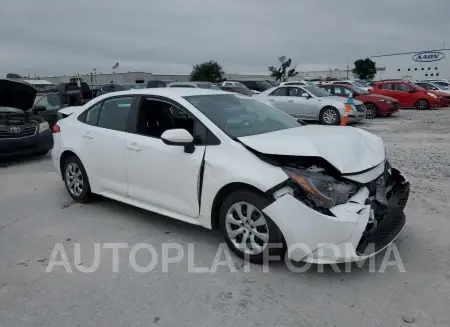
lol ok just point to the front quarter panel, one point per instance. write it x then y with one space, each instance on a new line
229 163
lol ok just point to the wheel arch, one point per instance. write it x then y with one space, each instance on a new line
222 195
64 155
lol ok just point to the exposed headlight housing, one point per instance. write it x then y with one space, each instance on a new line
43 127
432 95
324 191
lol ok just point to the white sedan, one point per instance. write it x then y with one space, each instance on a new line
219 160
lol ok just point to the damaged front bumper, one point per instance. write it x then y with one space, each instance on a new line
350 233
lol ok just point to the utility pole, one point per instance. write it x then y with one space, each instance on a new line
95 75
347 70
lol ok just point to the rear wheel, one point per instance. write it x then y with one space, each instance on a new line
371 110
76 180
422 104
330 116
247 230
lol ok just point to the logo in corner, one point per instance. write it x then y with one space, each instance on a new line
428 56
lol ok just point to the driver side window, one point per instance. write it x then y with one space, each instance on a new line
155 117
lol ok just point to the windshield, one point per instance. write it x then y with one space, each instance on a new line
240 116
359 90
317 91
359 84
10 110
427 86
442 83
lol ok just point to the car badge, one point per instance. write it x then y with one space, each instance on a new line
14 129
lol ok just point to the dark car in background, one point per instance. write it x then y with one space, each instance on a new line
22 131
108 88
256 85
73 92
153 84
48 105
241 89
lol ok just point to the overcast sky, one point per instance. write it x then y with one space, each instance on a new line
50 37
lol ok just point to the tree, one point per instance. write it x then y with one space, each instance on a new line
365 69
13 75
208 71
285 71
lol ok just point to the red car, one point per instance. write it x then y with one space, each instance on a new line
409 94
376 105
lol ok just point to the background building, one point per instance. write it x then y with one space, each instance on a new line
414 65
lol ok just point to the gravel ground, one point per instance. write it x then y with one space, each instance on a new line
36 213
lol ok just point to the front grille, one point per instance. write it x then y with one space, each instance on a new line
28 131
360 108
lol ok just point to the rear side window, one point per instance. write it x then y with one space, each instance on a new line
386 86
114 113
401 87
281 92
92 114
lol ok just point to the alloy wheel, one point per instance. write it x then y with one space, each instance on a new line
247 228
371 111
422 104
74 179
329 116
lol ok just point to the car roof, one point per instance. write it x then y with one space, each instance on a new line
168 92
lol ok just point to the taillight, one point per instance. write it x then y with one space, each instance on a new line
56 129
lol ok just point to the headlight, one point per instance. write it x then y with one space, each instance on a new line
324 191
43 127
432 95
385 101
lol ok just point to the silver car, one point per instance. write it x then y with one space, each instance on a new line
311 103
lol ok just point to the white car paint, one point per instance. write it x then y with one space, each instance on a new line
147 173
365 149
310 107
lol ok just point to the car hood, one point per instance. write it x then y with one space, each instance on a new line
384 97
439 93
348 149
16 94
338 99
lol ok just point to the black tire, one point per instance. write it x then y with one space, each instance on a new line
371 110
422 104
275 244
85 195
327 113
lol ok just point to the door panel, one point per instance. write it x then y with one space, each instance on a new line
163 175
105 159
299 106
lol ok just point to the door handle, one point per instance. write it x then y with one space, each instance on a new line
290 101
271 100
133 147
88 136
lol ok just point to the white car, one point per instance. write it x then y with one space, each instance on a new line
433 86
301 83
312 103
352 82
218 160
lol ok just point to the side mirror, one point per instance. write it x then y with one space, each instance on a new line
412 91
38 109
179 137
305 95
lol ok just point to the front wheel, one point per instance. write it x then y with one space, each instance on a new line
371 110
422 104
330 116
250 233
